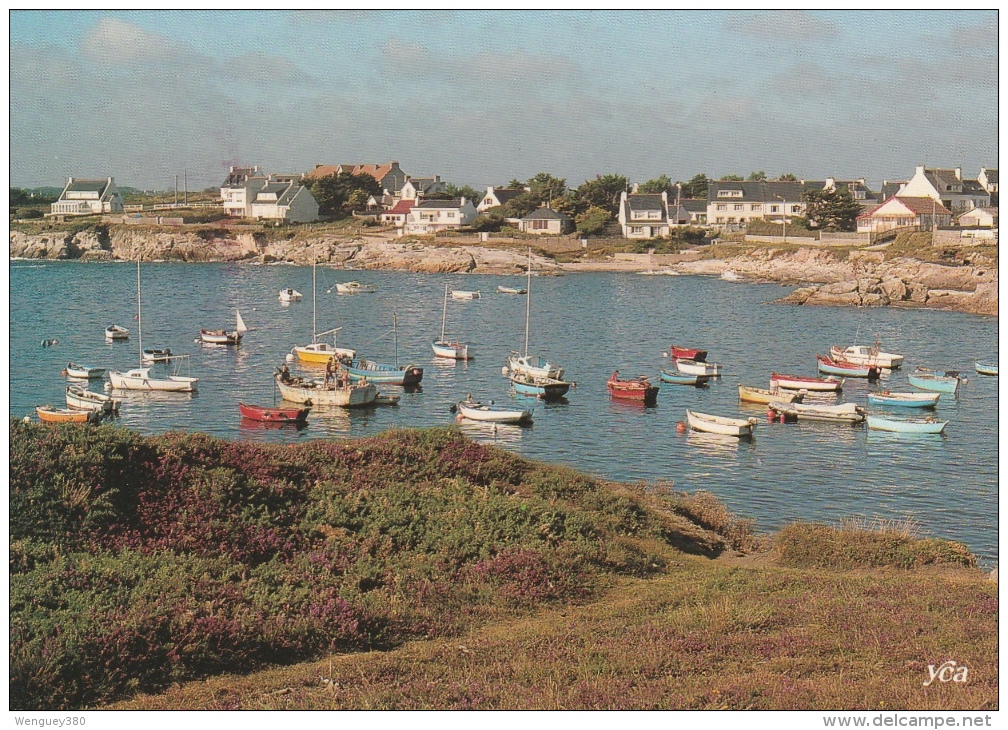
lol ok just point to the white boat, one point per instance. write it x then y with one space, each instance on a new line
846 412
720 424
151 355
695 367
355 287
531 366
87 400
140 378
867 355
114 332
223 337
290 295
319 353
83 372
345 394
463 294
476 411
450 349
898 424
510 290
729 275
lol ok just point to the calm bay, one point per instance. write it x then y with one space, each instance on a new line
592 324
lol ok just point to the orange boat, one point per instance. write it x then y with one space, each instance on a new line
634 389
49 414
274 414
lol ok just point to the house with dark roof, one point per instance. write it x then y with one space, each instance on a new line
736 202
88 197
643 215
916 213
947 187
697 209
546 222
287 201
431 216
496 197
418 188
390 177
988 178
236 190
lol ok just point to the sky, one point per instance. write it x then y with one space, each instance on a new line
480 98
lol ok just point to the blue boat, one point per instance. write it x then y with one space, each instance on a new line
986 368
380 372
831 366
547 389
898 424
677 378
904 400
943 381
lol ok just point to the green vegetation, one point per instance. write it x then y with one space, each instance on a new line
474 577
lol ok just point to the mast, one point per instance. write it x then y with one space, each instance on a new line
528 297
395 339
314 329
139 321
444 311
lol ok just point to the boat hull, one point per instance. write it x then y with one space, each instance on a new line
114 333
220 337
319 353
313 394
706 423
906 425
153 355
695 367
940 384
86 400
749 394
547 389
489 414
638 390
687 353
141 380
904 400
272 414
83 372
842 413
376 372
829 366
865 355
510 290
676 378
986 368
795 382
451 350
535 367
48 414
458 294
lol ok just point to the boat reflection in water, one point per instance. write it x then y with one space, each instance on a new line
251 424
717 442
493 434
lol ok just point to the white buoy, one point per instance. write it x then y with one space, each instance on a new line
504 370
290 357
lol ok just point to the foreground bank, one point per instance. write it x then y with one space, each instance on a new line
473 577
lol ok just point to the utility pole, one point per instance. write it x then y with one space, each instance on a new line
185 187
176 190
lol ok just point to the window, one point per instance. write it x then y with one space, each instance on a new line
637 229
729 193
756 207
540 225
739 206
722 206
775 209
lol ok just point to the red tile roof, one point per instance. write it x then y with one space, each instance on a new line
403 206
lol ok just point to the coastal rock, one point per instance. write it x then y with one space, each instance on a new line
894 288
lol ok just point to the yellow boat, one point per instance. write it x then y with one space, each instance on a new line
749 394
319 353
50 414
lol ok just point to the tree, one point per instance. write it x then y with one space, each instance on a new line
335 193
521 205
756 176
696 187
546 187
515 183
19 197
789 177
593 221
658 185
492 220
603 192
732 178
832 209
466 191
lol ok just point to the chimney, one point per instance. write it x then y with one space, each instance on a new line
633 190
462 201
920 169
959 173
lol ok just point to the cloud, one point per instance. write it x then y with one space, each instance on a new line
116 42
782 25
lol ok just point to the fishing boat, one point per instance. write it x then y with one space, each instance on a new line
637 389
904 400
387 399
319 353
114 332
151 355
510 290
290 295
898 424
476 411
697 367
390 373
223 337
986 368
831 366
342 392
449 349
677 378
707 423
797 382
83 372
51 414
867 355
463 294
140 378
273 414
844 412
750 394
943 381
686 353
525 369
355 287
548 389
83 399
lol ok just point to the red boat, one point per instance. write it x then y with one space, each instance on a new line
833 366
636 389
686 353
272 414
797 382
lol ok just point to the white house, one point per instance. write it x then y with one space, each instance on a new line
979 218
236 191
418 188
947 187
546 222
88 197
396 215
498 196
288 201
923 214
643 215
988 179
431 216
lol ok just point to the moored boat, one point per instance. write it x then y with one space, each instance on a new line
697 367
797 382
223 337
532 366
547 389
867 355
273 414
344 393
943 381
677 378
904 400
463 294
897 424
51 414
382 372
986 368
750 394
290 295
844 412
510 290
151 355
83 399
449 349
319 353
476 411
637 389
355 287
722 425
83 372
686 353
115 332
832 366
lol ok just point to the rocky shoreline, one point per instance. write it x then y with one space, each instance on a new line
865 278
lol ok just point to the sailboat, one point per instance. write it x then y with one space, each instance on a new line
140 378
534 376
380 372
223 337
317 352
450 349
